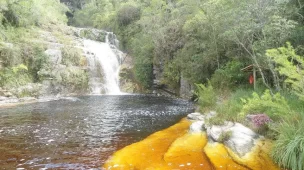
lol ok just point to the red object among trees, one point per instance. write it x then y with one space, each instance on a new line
251 79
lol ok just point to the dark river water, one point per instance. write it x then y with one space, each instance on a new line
82 132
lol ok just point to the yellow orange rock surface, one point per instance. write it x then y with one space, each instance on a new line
176 149
258 158
187 152
164 150
218 155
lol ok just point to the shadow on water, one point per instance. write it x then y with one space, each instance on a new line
81 133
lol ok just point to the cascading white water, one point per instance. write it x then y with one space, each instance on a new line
103 62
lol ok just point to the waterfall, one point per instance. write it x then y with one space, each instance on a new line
103 62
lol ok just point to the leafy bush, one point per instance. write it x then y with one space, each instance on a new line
74 78
10 55
291 66
220 79
144 73
14 76
171 75
229 76
24 13
206 95
86 16
71 56
127 14
143 55
36 60
274 106
288 150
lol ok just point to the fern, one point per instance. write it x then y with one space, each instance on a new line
274 106
290 65
206 95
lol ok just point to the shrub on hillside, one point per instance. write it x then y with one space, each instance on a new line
274 106
74 78
14 76
10 54
143 60
127 14
290 66
24 13
71 56
206 96
229 76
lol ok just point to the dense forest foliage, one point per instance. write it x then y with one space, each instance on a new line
211 41
200 40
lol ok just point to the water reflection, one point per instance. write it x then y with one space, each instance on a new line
81 133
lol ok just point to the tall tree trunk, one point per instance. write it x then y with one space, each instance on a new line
276 79
256 63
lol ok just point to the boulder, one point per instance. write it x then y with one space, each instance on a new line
197 127
240 140
194 116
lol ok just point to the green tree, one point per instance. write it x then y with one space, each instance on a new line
290 66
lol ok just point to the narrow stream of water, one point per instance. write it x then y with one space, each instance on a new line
82 132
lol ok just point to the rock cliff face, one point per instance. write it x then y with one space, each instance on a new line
67 70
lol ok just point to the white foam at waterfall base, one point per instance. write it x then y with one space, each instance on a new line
102 55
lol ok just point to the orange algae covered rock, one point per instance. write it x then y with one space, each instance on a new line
218 155
176 149
258 158
148 153
187 153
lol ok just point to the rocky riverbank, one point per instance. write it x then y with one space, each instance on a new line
193 144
